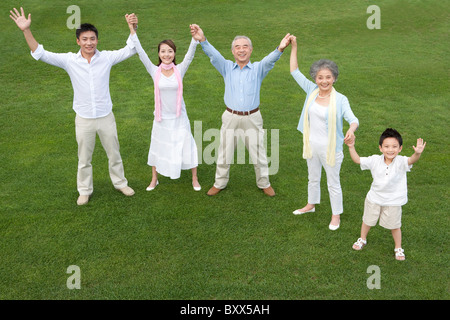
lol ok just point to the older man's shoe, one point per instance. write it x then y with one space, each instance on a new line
82 199
213 191
269 191
127 191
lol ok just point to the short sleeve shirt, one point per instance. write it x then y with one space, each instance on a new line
389 186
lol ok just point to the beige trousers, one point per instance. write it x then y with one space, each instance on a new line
250 129
86 131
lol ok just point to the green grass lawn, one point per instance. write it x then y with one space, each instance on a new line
174 243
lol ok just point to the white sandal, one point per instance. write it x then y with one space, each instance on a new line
399 254
359 244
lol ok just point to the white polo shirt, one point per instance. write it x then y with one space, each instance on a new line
389 187
90 81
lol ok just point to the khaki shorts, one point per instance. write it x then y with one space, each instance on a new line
390 217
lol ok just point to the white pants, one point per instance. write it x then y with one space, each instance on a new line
86 131
250 129
315 164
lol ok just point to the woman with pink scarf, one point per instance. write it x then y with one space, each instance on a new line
172 146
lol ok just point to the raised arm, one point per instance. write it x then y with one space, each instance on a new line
284 42
184 65
215 57
117 56
132 21
306 84
197 33
24 24
132 24
418 149
149 66
293 60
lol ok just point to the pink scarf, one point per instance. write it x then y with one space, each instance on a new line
179 92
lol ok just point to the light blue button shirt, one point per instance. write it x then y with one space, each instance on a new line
242 86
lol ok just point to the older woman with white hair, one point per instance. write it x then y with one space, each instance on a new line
321 123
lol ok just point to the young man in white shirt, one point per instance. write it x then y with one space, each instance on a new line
388 191
89 71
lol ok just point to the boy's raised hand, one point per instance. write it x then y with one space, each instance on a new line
19 18
420 146
418 149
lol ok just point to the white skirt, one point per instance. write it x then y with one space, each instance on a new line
172 147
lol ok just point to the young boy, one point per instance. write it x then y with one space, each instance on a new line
388 191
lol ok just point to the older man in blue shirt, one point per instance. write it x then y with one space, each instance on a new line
242 117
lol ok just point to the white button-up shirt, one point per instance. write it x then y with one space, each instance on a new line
90 81
389 187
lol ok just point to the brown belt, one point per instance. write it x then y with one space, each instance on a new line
242 113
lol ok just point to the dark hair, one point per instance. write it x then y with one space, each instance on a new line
391 133
86 27
170 44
